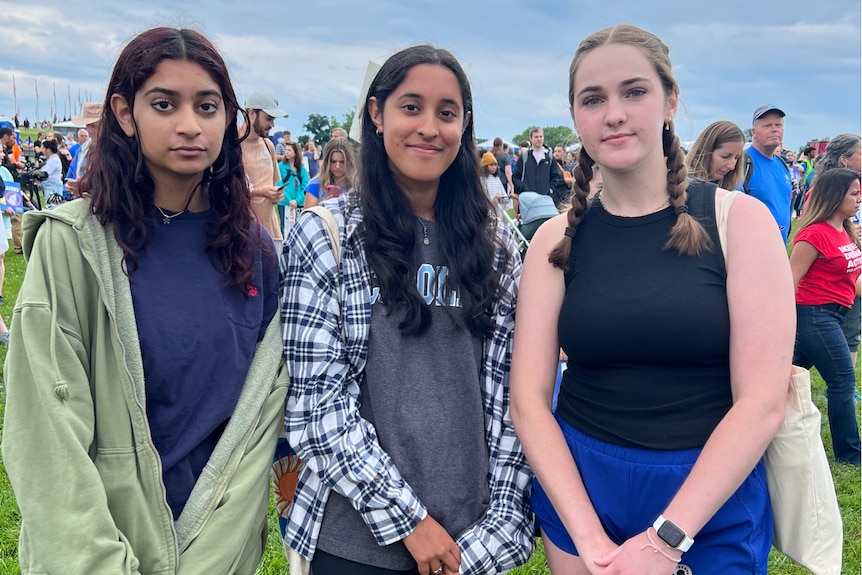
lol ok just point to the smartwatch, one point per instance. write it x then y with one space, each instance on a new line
670 533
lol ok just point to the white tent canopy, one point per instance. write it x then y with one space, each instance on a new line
66 128
487 144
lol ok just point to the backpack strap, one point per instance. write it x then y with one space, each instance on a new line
721 220
749 170
525 154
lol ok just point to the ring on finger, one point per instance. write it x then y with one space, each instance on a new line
438 570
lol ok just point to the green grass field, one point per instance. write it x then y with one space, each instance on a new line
847 484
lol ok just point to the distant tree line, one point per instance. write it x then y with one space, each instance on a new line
320 127
553 135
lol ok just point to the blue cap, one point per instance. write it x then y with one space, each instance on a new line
763 110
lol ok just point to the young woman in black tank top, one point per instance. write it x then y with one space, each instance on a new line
632 498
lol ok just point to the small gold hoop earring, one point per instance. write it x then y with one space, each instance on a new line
379 132
666 126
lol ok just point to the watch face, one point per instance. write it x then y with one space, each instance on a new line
671 534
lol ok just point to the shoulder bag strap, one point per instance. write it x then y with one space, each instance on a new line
331 226
721 220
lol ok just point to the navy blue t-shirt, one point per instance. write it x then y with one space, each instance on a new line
197 340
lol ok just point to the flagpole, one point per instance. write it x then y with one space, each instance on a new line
36 84
15 96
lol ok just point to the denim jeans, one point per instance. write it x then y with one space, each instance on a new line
281 210
850 327
821 343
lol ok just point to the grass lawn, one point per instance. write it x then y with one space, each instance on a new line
847 483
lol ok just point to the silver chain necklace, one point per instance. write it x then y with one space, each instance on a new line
425 239
168 217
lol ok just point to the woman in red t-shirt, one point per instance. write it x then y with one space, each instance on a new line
826 262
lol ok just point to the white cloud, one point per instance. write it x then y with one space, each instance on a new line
729 57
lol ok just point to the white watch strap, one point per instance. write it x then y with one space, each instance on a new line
686 542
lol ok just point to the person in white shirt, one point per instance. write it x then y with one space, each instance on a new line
53 186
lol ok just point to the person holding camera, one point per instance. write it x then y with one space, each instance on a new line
53 184
7 139
65 156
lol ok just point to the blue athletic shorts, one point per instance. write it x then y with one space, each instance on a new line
630 487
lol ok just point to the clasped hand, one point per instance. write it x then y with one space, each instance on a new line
636 556
432 548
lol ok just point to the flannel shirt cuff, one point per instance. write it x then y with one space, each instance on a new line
397 521
501 541
475 558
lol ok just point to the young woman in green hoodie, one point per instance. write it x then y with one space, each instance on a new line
145 376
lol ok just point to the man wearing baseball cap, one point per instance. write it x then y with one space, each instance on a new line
259 161
769 179
91 115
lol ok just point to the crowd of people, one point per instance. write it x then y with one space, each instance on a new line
197 313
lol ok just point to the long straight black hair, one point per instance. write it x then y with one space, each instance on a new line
462 210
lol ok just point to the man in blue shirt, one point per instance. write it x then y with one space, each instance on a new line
83 136
770 179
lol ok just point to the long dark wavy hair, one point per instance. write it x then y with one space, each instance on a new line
297 157
117 178
464 214
827 195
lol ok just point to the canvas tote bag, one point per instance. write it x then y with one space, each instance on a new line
808 526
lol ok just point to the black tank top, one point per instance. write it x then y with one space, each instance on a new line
646 331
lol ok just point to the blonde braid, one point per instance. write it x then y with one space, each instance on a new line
559 256
687 236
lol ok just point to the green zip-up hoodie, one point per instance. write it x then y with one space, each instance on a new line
76 442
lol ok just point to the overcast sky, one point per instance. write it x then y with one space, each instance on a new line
729 57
